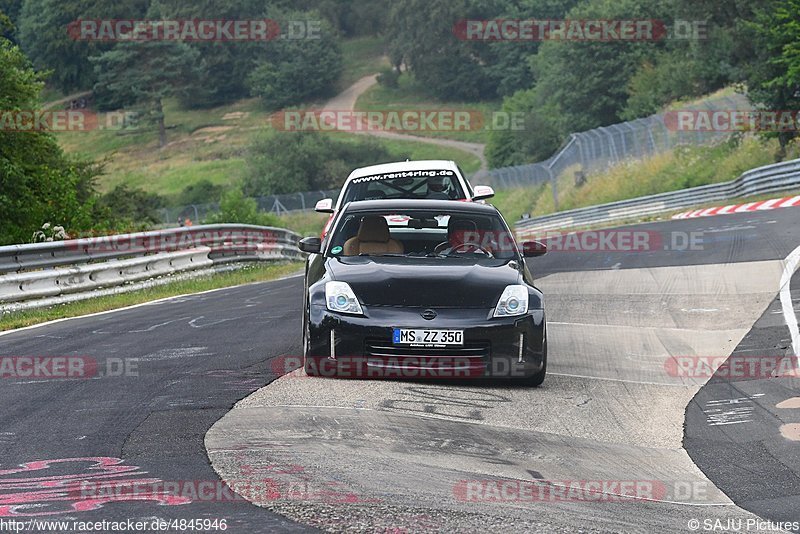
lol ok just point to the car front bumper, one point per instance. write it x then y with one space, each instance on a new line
361 346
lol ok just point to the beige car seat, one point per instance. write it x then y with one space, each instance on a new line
373 238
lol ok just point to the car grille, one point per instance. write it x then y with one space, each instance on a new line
473 354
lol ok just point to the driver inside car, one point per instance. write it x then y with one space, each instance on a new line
462 236
436 189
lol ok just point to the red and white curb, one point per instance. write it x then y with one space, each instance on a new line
772 204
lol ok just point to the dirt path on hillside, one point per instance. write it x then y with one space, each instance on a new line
346 101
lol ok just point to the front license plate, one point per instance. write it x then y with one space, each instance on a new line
427 338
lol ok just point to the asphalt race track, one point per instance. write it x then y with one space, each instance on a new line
619 408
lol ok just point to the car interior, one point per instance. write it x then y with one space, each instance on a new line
435 188
420 235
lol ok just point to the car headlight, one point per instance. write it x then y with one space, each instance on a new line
513 301
340 298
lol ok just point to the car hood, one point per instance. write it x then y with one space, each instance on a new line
425 282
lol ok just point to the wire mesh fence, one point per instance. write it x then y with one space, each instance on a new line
278 204
596 150
583 154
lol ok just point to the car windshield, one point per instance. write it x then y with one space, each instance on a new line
427 184
423 233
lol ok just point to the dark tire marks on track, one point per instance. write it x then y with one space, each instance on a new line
190 374
742 449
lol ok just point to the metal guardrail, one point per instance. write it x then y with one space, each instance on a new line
762 180
57 268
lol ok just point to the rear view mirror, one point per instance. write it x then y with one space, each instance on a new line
312 245
324 206
482 192
418 224
533 249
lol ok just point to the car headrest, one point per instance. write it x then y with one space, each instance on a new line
457 227
373 229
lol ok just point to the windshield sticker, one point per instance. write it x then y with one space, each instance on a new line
336 250
404 174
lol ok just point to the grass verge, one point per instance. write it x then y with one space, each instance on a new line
248 274
681 168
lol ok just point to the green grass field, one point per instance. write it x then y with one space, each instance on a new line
409 96
205 144
211 144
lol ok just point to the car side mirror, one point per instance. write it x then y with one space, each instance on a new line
312 245
533 249
482 192
324 206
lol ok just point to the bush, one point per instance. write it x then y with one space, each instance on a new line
134 206
389 77
202 192
236 208
289 162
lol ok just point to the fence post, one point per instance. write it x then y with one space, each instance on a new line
277 206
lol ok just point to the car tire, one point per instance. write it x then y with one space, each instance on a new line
310 370
537 379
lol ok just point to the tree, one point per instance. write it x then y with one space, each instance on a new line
421 35
9 18
38 184
226 65
426 35
296 70
774 78
42 32
146 73
539 138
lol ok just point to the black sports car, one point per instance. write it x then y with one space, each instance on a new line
422 288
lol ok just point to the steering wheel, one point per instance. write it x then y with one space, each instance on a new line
446 249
